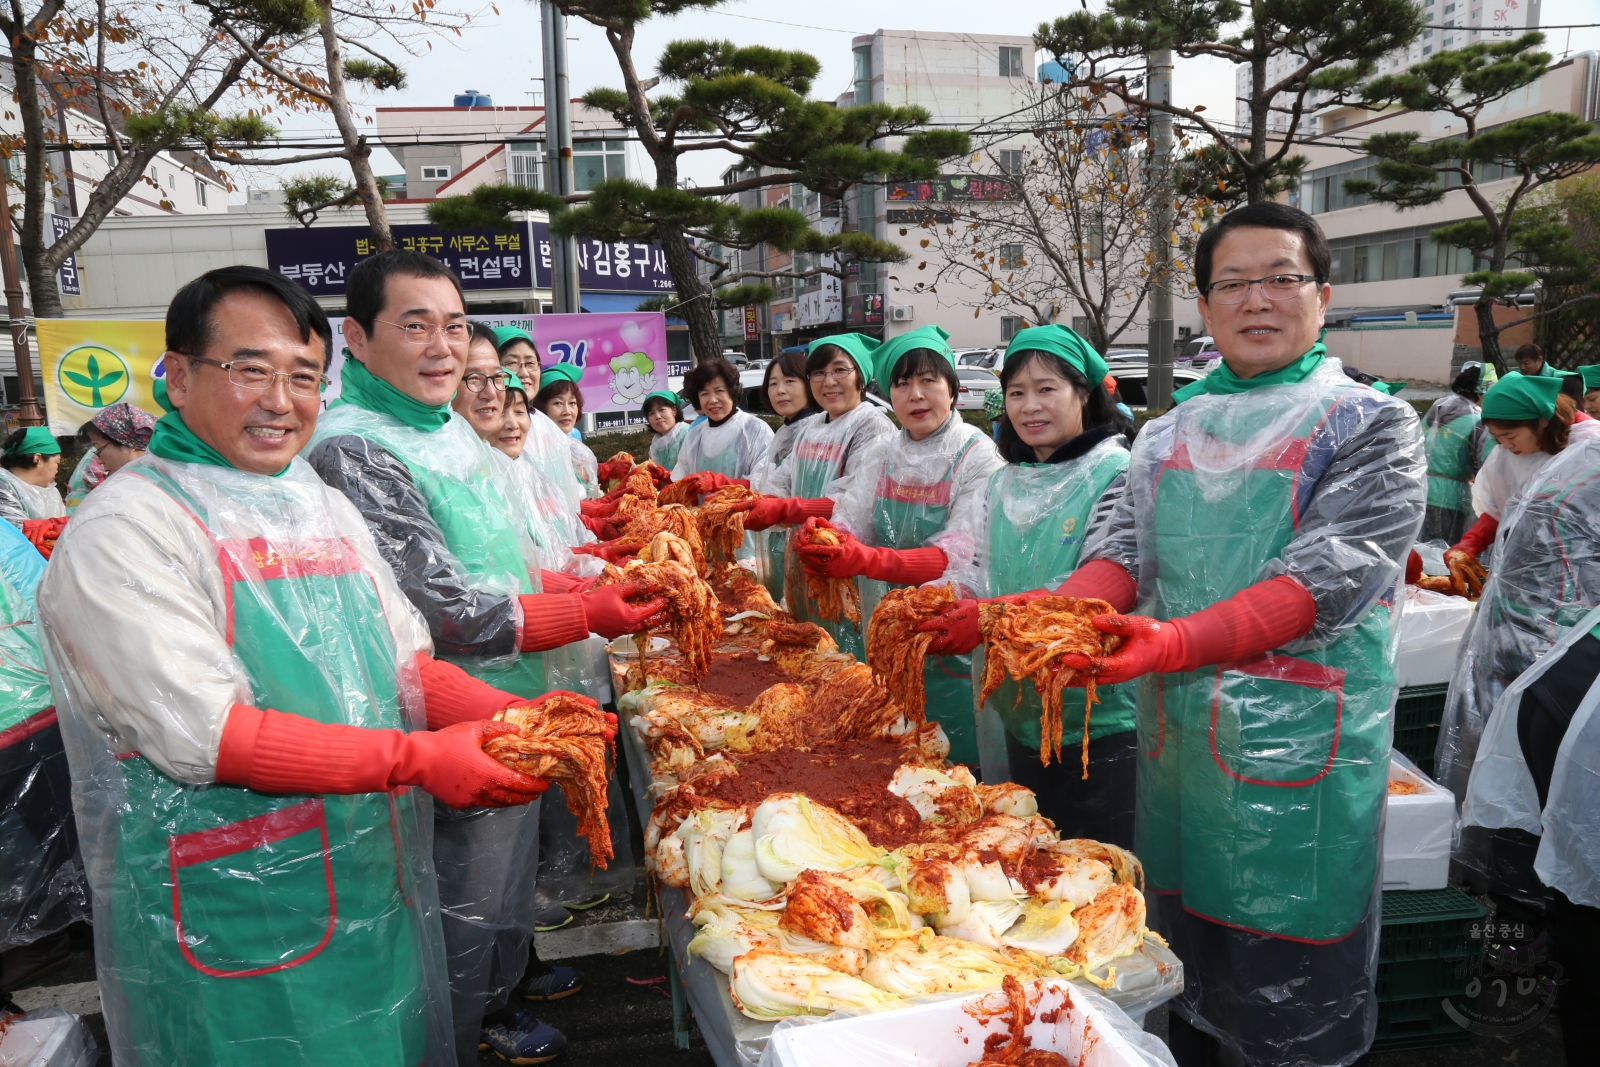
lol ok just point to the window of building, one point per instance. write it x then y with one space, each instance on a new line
1011 63
1011 161
435 174
1427 49
200 192
1449 8
1394 255
1009 326
863 75
525 164
1011 257
595 161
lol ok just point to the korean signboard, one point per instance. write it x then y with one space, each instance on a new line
951 187
66 274
609 266
89 365
864 310
320 259
752 324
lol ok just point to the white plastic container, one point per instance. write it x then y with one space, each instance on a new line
1419 830
1431 628
1087 1029
49 1037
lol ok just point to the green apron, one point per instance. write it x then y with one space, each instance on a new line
1038 517
1261 787
251 929
906 515
1449 463
468 501
816 466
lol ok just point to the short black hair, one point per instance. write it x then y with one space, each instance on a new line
364 292
1528 351
1271 216
1098 407
920 361
824 355
703 374
190 325
477 331
653 402
559 387
793 365
19 461
1467 383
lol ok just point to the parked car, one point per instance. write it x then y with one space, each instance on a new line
1132 381
1199 353
975 382
982 358
1118 357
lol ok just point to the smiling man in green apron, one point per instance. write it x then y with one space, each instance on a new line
247 700
430 492
1266 523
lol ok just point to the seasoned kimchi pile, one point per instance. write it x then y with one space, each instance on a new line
564 740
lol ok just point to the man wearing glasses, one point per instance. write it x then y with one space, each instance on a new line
246 698
1263 535
427 486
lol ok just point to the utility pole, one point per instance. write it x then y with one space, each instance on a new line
1159 387
558 151
30 414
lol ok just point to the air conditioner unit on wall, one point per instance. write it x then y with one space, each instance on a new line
901 312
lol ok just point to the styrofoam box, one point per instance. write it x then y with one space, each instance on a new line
1419 831
1431 628
49 1037
945 1034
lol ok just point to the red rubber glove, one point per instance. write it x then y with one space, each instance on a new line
711 481
1413 567
1255 620
609 613
610 552
451 695
603 508
768 511
1100 579
557 582
605 529
276 752
1479 537
614 470
957 625
849 558
41 532
693 483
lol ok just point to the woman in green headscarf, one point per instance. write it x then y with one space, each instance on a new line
663 413
28 467
1067 459
560 397
912 510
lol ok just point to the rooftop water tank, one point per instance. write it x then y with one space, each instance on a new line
473 98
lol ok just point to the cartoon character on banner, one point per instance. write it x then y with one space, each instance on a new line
633 372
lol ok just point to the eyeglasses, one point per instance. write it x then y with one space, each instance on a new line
475 382
247 374
1275 286
421 333
837 374
519 365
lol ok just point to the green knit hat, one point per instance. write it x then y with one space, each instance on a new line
1591 376
888 354
1517 397
858 346
1060 341
560 372
35 441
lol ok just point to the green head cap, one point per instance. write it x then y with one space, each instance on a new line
512 381
1591 376
858 346
663 394
504 335
1517 397
35 441
888 354
1389 388
1059 341
560 372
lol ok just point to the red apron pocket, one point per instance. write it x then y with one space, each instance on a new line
1275 720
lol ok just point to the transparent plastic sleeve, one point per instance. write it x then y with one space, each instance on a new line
1065 1018
771 475
586 465
664 447
547 449
46 1037
734 448
33 501
566 871
177 590
1545 580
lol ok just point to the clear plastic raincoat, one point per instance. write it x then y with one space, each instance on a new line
1545 582
89 473
1262 784
1448 430
20 501
1037 518
585 466
927 494
1504 473
234 926
771 543
548 450
42 885
664 447
735 448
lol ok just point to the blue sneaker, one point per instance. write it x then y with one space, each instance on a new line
555 983
524 1039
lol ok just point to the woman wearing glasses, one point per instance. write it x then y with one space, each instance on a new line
547 445
561 400
825 450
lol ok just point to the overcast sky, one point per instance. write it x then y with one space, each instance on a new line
499 54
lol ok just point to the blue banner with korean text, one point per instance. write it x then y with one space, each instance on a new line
609 266
320 259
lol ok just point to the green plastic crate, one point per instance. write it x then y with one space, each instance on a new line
1416 1023
1417 713
1429 924
1410 979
